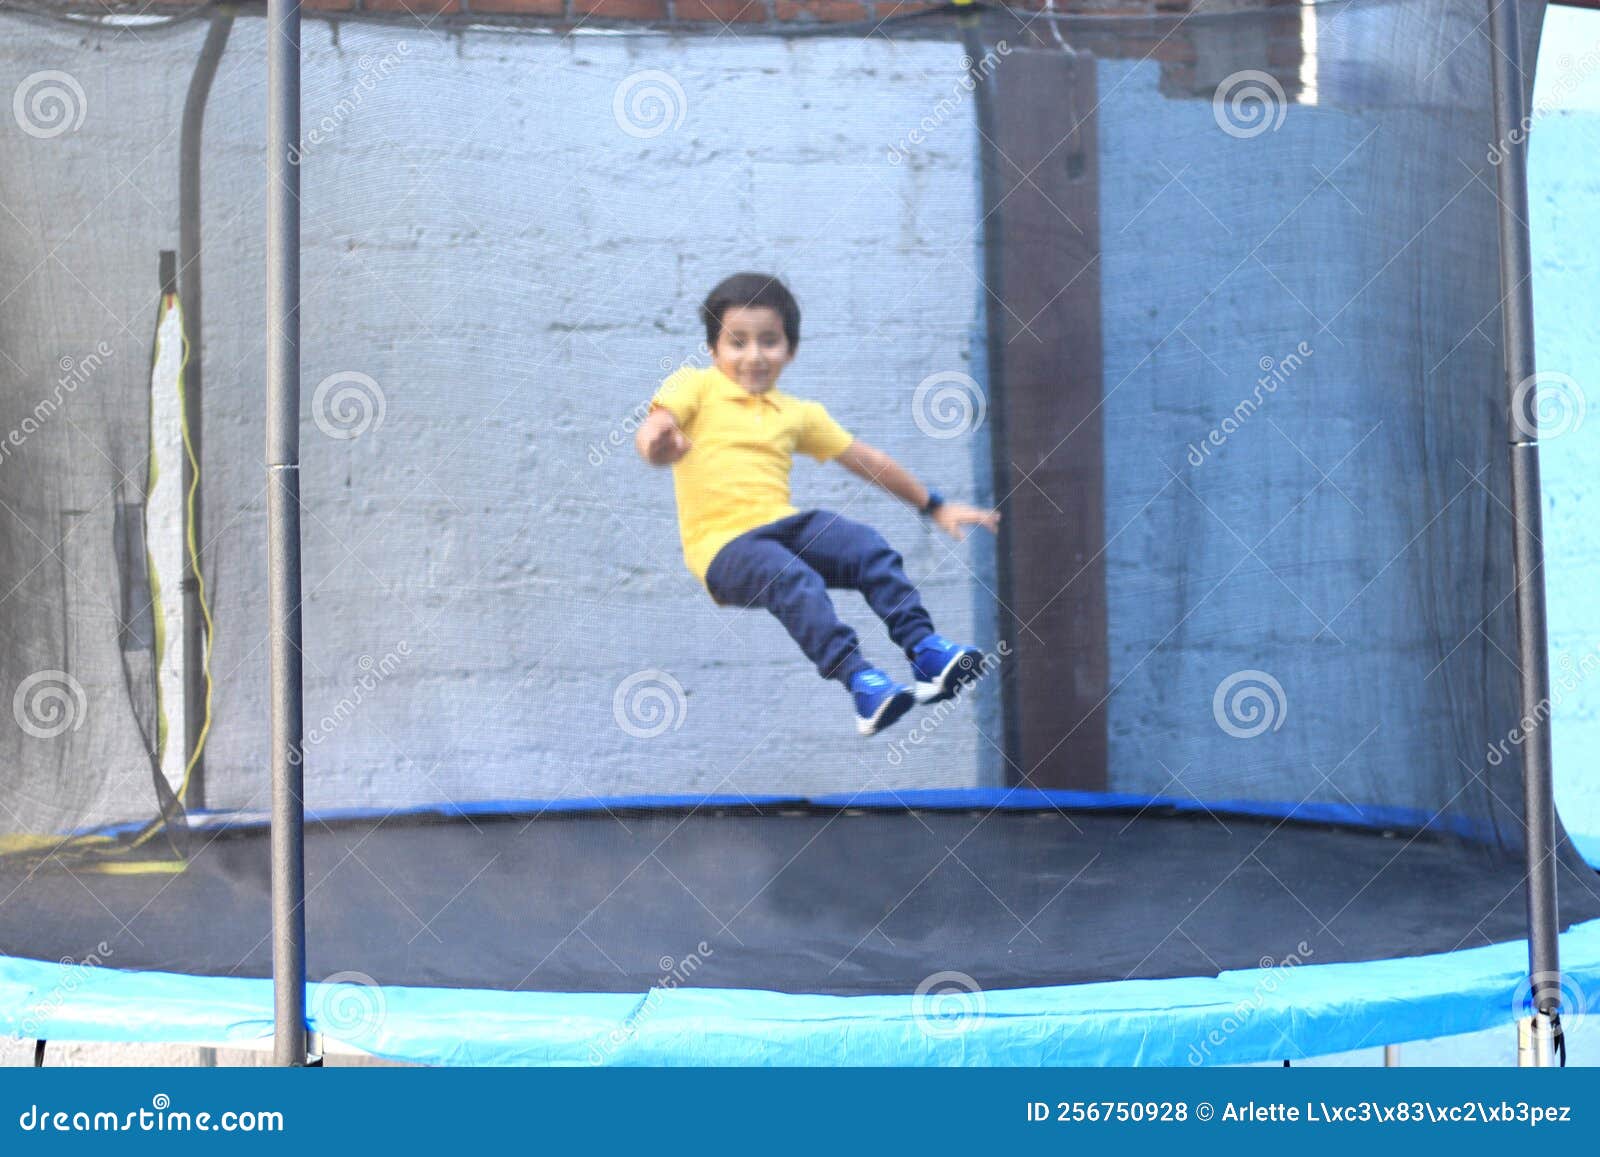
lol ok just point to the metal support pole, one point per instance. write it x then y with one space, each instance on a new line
1536 1042
194 640
283 531
1391 1056
1516 311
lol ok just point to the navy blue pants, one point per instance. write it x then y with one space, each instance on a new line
788 566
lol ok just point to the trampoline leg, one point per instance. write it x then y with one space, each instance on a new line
283 531
1536 1042
1391 1056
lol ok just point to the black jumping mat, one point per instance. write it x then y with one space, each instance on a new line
817 901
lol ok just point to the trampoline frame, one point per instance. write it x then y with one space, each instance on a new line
1238 1017
283 529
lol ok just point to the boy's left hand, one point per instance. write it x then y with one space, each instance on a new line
957 518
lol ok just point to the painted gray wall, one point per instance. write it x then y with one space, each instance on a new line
487 243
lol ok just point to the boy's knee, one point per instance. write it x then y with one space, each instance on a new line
871 538
876 553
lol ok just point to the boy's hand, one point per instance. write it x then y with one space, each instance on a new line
957 518
666 446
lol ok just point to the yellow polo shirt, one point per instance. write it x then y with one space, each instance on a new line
735 476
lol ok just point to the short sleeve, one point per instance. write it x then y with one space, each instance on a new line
679 395
820 436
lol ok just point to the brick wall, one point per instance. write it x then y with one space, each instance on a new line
1193 56
749 12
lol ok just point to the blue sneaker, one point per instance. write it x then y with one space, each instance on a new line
942 668
879 700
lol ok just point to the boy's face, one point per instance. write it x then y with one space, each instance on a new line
752 348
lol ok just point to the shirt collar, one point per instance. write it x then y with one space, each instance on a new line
732 389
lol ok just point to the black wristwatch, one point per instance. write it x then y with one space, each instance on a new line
935 500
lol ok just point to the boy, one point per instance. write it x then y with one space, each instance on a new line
730 436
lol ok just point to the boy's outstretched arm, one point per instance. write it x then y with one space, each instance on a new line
659 440
954 518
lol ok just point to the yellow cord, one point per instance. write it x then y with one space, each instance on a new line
26 843
192 545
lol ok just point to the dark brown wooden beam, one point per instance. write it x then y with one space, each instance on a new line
1043 274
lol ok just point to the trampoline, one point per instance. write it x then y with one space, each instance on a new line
1208 304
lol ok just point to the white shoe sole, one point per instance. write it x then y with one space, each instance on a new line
890 710
951 680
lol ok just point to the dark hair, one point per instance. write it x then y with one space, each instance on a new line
749 290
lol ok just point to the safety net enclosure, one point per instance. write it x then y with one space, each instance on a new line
1206 304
